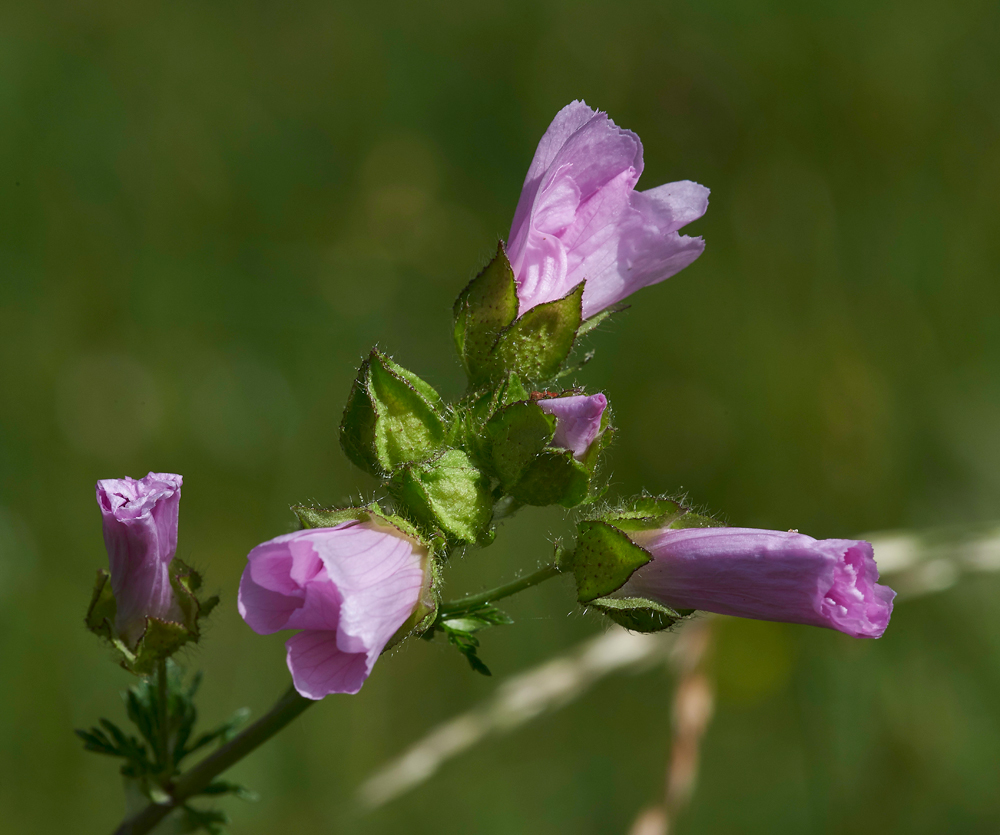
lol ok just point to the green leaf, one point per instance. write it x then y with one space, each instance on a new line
102 610
637 613
447 493
483 309
392 418
516 434
553 477
536 346
603 560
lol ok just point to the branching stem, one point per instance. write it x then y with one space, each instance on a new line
197 779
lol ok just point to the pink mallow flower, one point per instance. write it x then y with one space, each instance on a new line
579 217
578 421
140 532
348 588
767 575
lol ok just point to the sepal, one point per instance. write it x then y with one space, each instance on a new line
492 341
160 637
447 493
537 345
603 560
483 309
392 417
637 614
609 550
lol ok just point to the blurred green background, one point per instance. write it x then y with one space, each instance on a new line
209 212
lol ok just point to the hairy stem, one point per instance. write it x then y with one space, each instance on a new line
163 718
467 604
197 779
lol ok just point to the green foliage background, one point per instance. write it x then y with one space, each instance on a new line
209 211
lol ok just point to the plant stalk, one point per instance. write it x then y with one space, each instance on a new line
197 779
163 718
467 604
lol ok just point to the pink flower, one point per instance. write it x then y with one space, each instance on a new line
578 421
348 588
580 219
767 575
140 532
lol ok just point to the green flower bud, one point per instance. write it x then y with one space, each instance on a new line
392 418
447 493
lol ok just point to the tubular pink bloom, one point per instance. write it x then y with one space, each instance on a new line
140 533
578 421
579 217
767 575
348 588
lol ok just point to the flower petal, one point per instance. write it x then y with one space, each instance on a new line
319 667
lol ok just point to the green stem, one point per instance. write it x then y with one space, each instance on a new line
466 604
163 718
197 779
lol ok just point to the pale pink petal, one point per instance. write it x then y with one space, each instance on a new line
349 587
380 576
615 239
265 611
319 667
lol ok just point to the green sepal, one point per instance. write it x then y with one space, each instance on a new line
448 493
553 477
102 610
645 513
186 582
320 517
599 318
603 560
392 417
537 345
160 640
516 435
637 614
483 309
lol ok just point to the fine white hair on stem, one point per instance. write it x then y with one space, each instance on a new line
915 563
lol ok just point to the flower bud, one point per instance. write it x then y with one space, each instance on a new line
579 217
656 561
449 494
544 450
392 418
147 606
349 588
766 575
140 533
579 421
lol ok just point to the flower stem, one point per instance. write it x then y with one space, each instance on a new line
467 604
197 779
163 718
